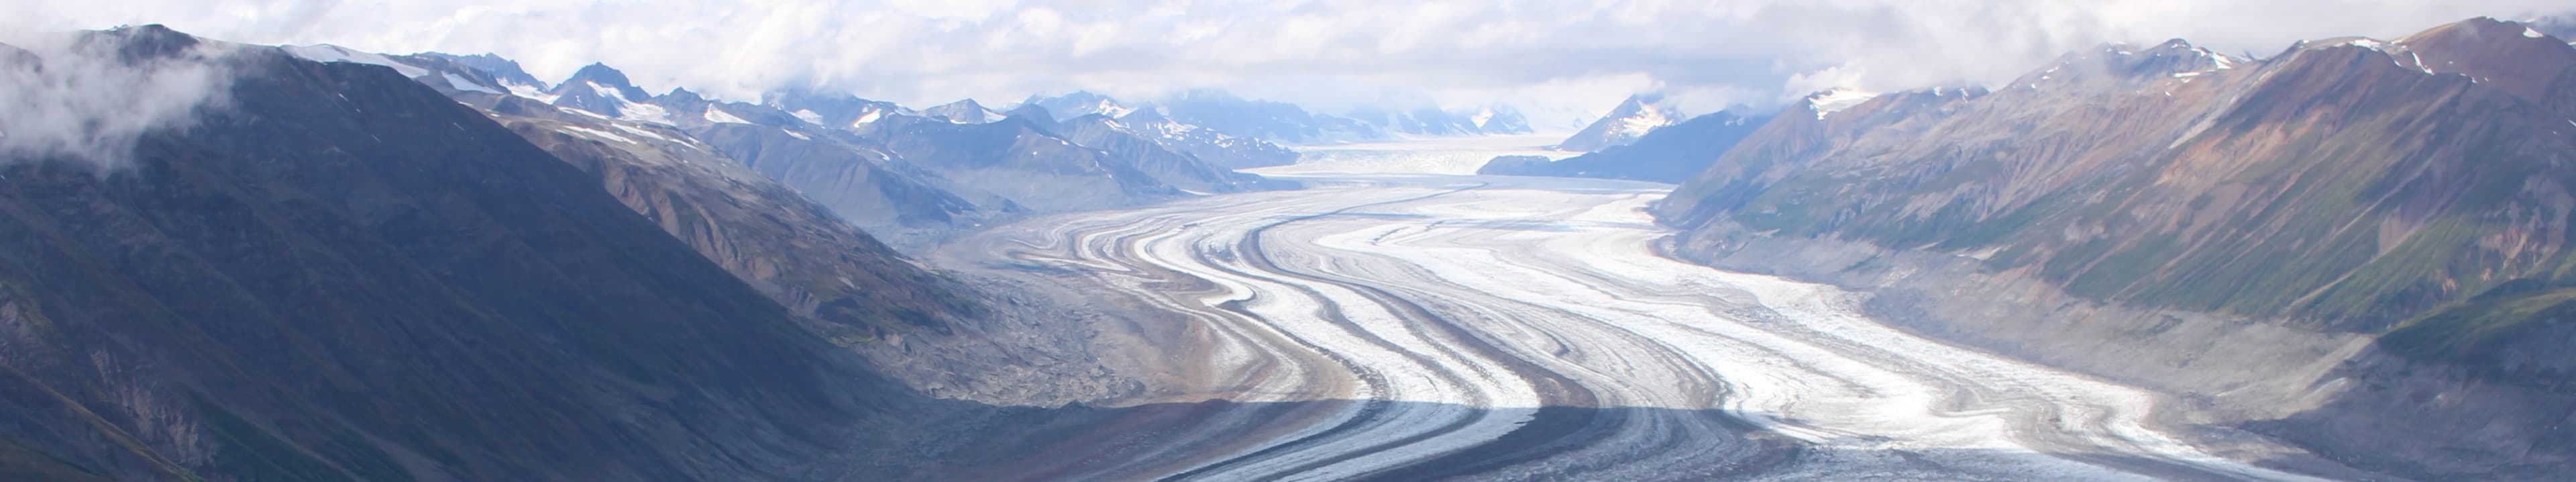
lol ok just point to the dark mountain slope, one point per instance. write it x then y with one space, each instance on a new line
349 276
796 251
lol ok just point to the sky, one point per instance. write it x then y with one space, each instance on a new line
1557 60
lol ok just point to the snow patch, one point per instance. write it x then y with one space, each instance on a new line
645 113
597 133
532 92
1831 101
796 135
865 119
2529 32
719 116
641 132
461 83
808 116
1646 120
326 53
2368 44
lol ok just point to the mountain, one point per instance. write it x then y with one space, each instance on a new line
964 112
1271 121
1670 154
2409 192
844 283
1500 120
1633 118
1147 120
1080 103
833 111
870 162
864 184
599 89
345 275
1216 148
1152 153
505 73
1431 120
1025 165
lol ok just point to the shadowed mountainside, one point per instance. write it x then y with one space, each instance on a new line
346 275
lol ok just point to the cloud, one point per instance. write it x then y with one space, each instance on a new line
1321 52
82 97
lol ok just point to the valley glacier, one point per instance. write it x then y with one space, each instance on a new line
1403 326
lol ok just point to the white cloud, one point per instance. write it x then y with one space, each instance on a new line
62 97
1315 51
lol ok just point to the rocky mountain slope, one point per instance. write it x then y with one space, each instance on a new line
2410 191
344 275
1669 154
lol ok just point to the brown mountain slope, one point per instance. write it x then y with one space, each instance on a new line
2189 185
2221 227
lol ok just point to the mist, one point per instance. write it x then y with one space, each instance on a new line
78 97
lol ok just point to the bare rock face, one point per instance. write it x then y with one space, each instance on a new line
2414 191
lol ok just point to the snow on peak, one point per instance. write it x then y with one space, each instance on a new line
2529 32
327 53
1646 120
1103 106
2367 44
719 116
1835 100
630 110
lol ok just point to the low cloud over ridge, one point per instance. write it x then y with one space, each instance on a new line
79 96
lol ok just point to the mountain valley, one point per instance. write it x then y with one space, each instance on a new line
2347 260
